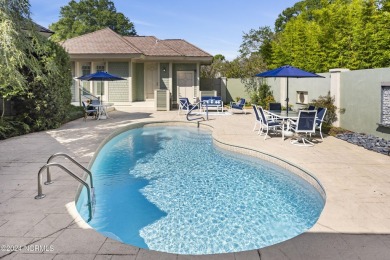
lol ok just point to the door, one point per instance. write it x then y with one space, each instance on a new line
185 85
151 79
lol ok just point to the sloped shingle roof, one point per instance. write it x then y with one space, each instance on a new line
103 41
106 41
151 46
185 48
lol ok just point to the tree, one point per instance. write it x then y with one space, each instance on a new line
78 18
216 69
258 41
263 96
16 49
342 33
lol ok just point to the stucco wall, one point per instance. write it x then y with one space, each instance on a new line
315 87
360 96
234 89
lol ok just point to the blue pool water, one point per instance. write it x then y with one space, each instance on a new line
169 189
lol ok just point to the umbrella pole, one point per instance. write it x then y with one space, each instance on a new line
287 98
101 95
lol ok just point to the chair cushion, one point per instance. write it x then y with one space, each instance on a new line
271 123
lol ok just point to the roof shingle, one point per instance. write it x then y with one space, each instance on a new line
103 41
106 41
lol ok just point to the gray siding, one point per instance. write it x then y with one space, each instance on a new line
119 90
74 88
164 76
139 81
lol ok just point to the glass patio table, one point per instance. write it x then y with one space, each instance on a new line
284 116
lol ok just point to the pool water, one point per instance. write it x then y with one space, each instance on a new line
170 189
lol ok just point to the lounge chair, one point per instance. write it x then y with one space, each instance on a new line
185 105
306 124
240 105
267 124
320 118
89 111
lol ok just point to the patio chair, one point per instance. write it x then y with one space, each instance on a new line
257 117
185 105
306 124
89 111
95 102
277 107
320 118
267 124
311 107
240 105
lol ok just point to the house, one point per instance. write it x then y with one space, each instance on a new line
147 63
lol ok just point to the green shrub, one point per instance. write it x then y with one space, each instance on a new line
46 101
333 131
10 128
74 113
326 102
262 96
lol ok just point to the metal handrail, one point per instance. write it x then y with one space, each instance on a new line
196 107
41 195
49 181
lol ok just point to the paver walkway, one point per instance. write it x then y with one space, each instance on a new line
355 223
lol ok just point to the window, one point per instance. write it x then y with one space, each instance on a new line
302 97
85 70
99 68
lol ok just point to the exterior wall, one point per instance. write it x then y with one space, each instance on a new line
211 84
360 96
119 91
314 87
139 82
234 89
74 88
164 76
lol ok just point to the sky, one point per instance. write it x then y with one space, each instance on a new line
215 26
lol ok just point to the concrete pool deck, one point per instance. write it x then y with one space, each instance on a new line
355 223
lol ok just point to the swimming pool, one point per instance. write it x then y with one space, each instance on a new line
170 189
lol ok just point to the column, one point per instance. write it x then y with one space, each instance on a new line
335 85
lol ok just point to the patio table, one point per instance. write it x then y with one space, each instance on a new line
284 116
102 110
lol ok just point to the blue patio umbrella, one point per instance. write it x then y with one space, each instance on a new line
287 71
100 76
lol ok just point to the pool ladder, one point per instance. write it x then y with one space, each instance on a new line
49 181
196 107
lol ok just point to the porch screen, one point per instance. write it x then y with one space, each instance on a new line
118 91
